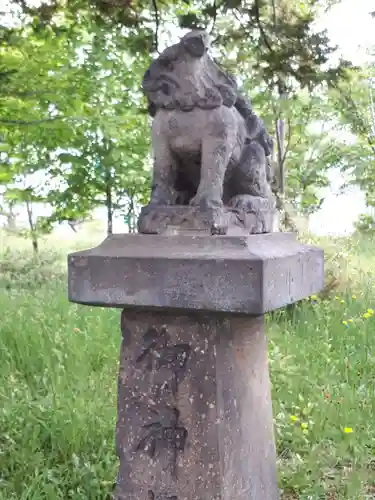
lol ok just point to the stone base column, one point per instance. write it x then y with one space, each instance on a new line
194 408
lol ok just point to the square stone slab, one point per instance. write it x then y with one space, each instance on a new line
245 274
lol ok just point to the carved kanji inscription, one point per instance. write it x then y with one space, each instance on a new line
159 354
164 434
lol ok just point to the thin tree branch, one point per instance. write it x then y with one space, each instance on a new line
214 19
261 29
157 25
371 144
237 16
274 13
287 147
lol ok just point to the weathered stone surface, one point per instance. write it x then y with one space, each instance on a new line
245 215
209 147
251 275
194 409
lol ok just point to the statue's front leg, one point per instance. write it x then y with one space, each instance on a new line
164 174
217 147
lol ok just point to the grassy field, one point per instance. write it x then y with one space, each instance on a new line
58 369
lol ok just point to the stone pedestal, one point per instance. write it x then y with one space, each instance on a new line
194 407
194 413
243 216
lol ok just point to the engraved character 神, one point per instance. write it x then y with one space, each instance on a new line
164 434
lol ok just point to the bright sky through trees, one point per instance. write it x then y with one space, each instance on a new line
350 27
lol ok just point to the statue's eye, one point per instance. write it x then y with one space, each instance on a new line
167 64
165 88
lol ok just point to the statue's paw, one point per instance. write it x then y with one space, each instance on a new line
205 202
158 201
243 202
162 195
249 203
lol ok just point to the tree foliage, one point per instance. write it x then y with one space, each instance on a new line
81 109
72 116
355 107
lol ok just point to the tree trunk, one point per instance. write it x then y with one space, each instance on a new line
280 132
11 221
10 216
131 216
35 244
10 224
33 235
109 206
286 220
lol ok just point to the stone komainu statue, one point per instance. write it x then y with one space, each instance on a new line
210 149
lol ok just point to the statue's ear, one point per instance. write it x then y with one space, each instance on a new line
195 45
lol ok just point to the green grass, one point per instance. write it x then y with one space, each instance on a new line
58 370
323 377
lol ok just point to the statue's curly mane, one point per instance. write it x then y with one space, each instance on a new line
178 80
184 77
